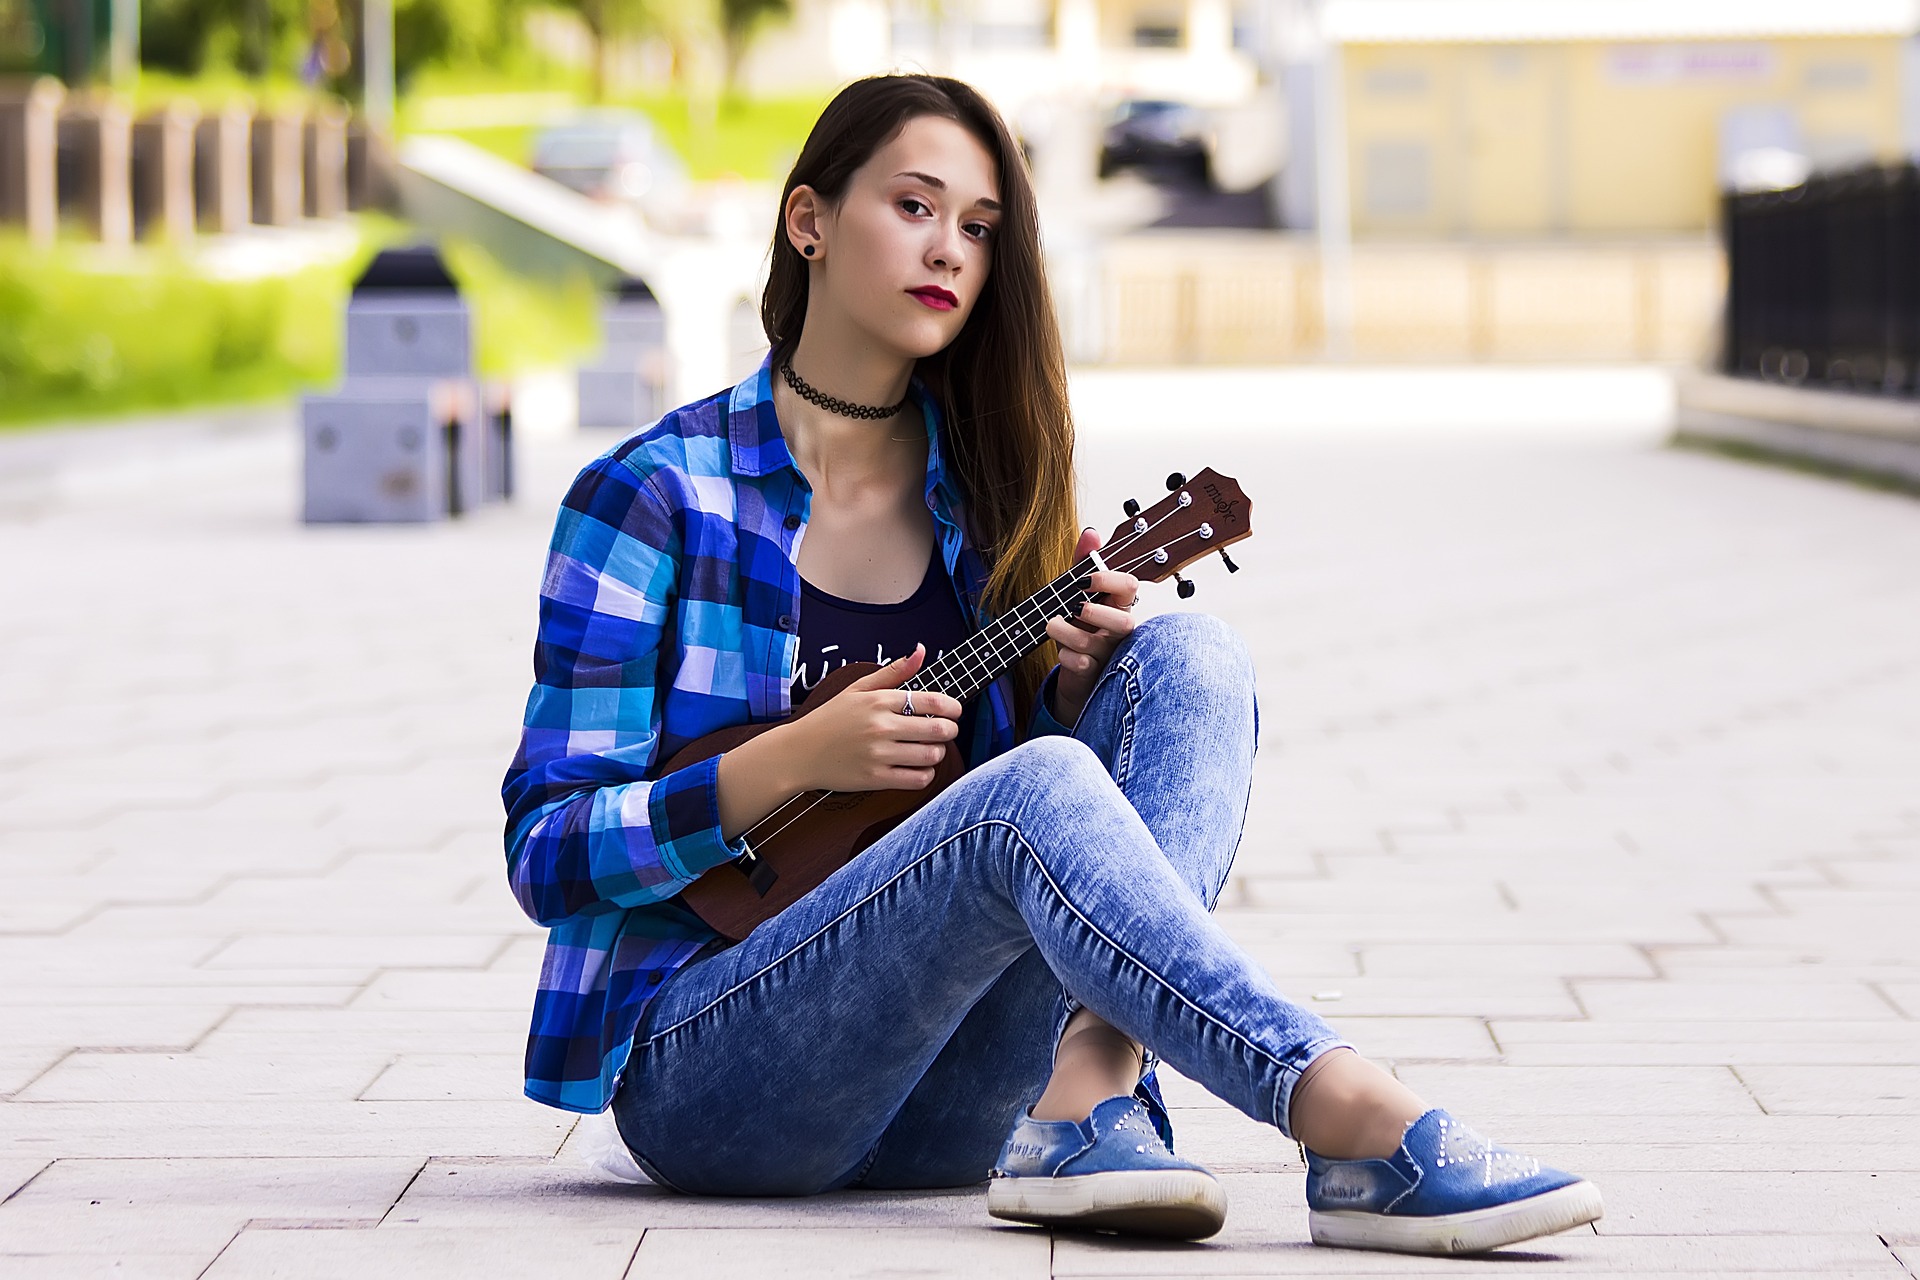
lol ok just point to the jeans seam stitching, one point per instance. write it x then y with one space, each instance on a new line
1123 763
1140 964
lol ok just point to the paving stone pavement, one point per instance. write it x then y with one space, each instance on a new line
1589 799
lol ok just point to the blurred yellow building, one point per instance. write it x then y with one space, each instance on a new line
1514 118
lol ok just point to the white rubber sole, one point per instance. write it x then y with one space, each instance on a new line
1476 1232
1174 1204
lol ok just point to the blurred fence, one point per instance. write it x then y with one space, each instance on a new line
88 166
1824 282
1253 298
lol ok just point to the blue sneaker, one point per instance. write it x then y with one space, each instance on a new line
1109 1172
1447 1190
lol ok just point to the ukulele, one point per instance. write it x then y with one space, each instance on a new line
815 833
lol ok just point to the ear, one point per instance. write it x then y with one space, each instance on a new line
805 218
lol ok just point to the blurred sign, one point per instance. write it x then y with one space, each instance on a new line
1679 63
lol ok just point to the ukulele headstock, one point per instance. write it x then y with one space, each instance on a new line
1199 516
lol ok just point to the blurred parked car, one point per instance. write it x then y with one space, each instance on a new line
1156 134
616 156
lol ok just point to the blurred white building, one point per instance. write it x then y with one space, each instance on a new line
1021 52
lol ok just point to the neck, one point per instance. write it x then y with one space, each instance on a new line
823 442
986 655
849 365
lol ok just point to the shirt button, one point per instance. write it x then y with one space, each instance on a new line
793 522
653 978
786 622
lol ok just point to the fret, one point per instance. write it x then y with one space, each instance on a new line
990 652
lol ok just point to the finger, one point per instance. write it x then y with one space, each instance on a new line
1079 664
1069 634
1104 617
895 673
919 728
1115 585
925 703
908 779
911 755
1089 539
937 704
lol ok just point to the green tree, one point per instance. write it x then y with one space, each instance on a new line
740 22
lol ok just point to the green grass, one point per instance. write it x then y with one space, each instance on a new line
215 88
87 336
754 138
751 138
82 335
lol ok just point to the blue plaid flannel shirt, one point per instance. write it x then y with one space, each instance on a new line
669 609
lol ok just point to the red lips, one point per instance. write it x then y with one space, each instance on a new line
936 297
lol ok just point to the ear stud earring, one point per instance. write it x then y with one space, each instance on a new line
808 251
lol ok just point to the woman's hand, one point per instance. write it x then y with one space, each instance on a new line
1088 641
856 740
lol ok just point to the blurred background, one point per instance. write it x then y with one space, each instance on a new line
188 188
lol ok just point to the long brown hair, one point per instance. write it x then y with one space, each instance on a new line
1002 383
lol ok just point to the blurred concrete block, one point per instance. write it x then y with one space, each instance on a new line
406 319
391 450
276 139
625 385
163 172
407 437
223 169
408 334
95 163
324 161
29 116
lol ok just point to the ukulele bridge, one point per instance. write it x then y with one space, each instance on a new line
760 876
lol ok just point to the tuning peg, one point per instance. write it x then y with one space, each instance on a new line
1131 506
1185 588
1231 566
1174 481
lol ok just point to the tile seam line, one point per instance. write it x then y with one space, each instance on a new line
382 1220
215 1259
30 1181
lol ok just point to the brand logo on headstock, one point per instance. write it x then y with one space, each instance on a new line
1224 507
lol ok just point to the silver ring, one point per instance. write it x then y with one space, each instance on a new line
908 709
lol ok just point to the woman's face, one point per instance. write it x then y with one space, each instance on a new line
906 254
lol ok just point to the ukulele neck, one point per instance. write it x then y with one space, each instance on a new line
986 655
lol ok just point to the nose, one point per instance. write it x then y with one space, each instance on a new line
944 252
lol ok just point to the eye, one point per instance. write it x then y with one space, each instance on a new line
980 230
910 204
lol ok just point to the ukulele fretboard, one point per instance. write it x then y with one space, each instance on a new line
963 671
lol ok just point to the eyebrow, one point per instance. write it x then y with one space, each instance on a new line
938 185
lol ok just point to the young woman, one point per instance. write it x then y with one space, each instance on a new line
982 993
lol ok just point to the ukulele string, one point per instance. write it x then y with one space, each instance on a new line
966 659
1053 589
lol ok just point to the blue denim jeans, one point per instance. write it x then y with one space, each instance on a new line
888 1029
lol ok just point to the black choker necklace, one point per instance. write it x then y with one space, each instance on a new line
834 404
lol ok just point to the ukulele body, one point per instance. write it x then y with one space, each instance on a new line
816 837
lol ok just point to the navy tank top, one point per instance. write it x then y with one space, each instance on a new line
834 632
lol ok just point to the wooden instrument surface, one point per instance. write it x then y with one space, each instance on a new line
814 834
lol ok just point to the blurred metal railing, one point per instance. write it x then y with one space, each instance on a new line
1824 282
